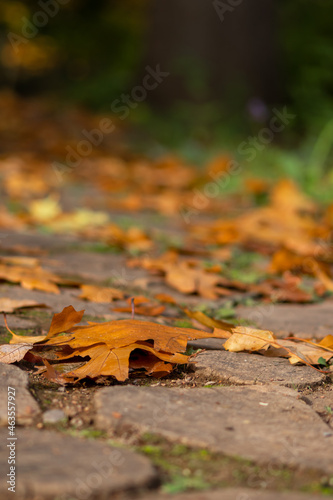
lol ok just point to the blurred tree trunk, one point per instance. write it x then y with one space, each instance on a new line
212 54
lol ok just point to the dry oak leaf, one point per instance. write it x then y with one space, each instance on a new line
327 342
124 332
110 345
285 290
64 321
10 305
19 345
306 352
30 277
187 276
188 280
244 338
298 350
100 294
116 362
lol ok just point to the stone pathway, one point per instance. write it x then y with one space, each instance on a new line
51 465
254 415
244 369
256 423
27 408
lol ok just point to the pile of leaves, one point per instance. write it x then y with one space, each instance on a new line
117 348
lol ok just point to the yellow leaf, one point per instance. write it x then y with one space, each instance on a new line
244 338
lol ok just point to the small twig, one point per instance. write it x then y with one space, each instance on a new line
133 307
5 320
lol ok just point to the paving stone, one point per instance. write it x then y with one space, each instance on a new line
310 320
34 240
53 416
237 494
256 423
16 322
55 303
50 465
322 403
91 265
27 408
247 369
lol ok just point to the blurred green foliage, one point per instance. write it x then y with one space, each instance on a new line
87 50
91 51
306 39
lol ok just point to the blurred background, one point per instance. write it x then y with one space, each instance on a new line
230 64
